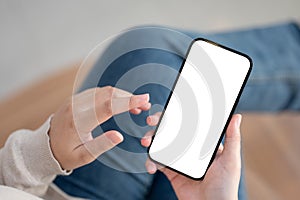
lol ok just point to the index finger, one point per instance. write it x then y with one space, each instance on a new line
96 105
121 104
111 101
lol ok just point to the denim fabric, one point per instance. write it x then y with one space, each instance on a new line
274 85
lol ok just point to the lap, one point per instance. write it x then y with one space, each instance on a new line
161 50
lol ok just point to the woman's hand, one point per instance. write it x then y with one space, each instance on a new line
222 178
70 135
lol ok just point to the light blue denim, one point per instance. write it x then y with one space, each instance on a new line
274 85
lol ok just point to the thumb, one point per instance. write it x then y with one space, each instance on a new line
232 144
91 149
103 143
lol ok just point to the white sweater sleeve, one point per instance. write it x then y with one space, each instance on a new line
27 162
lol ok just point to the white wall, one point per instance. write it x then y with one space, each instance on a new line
39 37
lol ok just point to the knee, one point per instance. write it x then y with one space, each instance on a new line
155 37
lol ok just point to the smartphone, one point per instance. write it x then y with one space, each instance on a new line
199 108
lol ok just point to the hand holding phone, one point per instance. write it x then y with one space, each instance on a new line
222 178
199 108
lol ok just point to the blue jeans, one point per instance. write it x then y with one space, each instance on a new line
274 85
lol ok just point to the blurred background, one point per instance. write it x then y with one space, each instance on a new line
40 37
43 42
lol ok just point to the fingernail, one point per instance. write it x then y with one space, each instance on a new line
115 138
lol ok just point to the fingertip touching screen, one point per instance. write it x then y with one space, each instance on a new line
204 96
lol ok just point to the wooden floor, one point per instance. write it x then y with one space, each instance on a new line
271 146
271 143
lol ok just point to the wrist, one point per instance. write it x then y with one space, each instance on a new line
220 195
54 158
